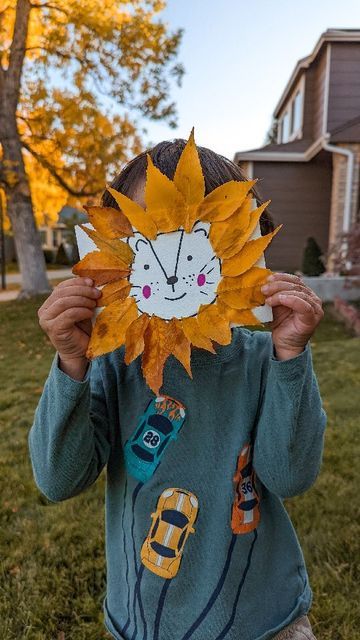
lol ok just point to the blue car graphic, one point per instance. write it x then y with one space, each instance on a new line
156 428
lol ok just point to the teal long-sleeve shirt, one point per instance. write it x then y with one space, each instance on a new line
198 542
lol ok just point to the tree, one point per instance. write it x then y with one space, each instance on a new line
312 264
71 73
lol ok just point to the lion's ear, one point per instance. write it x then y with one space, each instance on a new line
137 241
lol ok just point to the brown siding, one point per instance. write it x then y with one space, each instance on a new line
315 97
300 199
344 89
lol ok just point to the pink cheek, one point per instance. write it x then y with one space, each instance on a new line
146 291
201 280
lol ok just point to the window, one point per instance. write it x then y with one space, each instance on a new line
297 113
285 127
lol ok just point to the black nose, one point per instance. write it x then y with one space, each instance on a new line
172 280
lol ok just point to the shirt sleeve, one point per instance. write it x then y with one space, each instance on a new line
69 441
289 434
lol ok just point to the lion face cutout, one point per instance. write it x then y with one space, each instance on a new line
174 274
178 273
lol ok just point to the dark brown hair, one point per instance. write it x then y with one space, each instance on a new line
216 169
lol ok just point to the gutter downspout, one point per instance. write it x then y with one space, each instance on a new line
349 178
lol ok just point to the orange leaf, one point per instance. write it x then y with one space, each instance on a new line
253 277
109 222
101 267
180 345
234 243
110 327
117 290
223 234
164 203
188 177
191 328
213 325
245 298
134 339
139 219
111 245
244 317
155 353
223 201
248 256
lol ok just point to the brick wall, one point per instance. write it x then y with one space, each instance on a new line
339 190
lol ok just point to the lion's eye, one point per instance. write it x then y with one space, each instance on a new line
146 266
189 258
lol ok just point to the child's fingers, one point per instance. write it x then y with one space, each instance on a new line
68 318
65 289
282 285
296 300
68 302
288 277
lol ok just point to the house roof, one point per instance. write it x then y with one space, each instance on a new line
348 132
71 213
331 35
296 151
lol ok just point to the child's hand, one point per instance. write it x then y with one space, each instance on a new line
66 318
297 311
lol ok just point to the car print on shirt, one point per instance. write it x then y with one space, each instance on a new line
156 428
245 510
173 521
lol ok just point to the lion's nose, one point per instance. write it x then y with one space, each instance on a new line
172 280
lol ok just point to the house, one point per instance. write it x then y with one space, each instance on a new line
311 170
53 235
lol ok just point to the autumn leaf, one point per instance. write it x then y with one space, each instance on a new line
223 201
155 353
253 277
110 327
164 203
243 317
110 222
213 325
135 214
248 256
114 246
134 338
117 290
101 267
191 328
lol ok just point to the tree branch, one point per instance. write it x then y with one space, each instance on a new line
49 6
46 164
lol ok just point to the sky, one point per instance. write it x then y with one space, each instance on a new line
238 57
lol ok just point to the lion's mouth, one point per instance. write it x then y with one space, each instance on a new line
179 298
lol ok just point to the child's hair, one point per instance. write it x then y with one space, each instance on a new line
216 169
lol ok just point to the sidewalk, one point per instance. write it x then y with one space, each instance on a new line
15 278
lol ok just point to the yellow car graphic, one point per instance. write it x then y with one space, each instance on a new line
172 524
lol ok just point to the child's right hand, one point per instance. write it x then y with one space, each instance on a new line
66 318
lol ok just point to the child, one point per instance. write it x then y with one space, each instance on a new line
202 547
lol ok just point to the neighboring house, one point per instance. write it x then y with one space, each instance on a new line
311 172
53 235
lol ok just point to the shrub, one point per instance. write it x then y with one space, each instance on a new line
312 264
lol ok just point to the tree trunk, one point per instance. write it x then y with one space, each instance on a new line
27 238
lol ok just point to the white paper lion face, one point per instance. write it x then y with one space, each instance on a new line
174 274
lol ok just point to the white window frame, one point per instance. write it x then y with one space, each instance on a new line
298 133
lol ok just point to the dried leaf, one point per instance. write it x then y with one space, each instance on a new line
248 256
223 234
253 277
244 317
191 328
101 267
233 244
111 245
213 325
245 298
155 353
110 327
223 201
139 219
117 290
109 222
134 338
188 177
180 345
164 203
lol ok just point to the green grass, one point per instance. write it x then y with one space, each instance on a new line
52 580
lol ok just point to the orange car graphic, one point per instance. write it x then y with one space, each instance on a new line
172 524
245 511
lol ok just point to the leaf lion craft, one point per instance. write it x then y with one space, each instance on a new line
179 273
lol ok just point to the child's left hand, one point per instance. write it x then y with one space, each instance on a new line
297 311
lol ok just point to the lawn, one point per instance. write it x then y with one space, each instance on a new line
52 555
